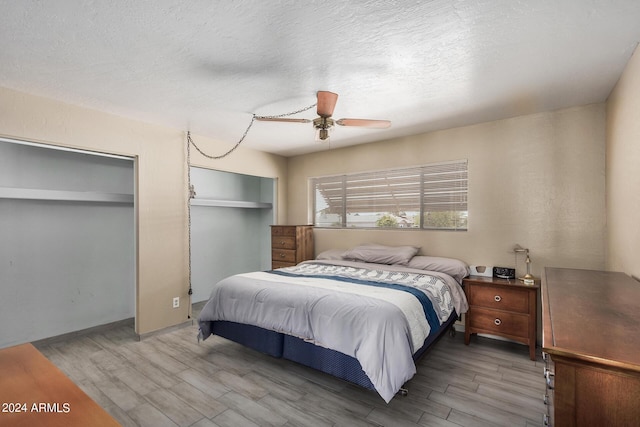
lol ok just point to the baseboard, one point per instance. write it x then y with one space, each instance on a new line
142 337
117 324
195 310
76 334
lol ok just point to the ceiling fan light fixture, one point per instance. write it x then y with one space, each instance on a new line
322 134
322 126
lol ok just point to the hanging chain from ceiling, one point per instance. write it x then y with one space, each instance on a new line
244 135
192 195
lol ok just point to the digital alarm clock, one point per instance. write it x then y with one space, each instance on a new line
504 272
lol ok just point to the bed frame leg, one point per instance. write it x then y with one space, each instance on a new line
403 392
452 331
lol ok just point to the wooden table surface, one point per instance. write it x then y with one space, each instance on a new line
34 392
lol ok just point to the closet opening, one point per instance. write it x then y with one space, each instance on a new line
229 232
68 246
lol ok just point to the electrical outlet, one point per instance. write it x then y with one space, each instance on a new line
176 302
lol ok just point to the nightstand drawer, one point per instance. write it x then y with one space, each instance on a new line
499 297
499 322
283 242
283 255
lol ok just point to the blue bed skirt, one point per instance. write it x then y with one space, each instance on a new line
323 359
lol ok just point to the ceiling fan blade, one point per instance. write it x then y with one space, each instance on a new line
367 123
326 103
277 119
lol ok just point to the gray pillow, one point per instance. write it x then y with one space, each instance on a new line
451 266
380 254
331 254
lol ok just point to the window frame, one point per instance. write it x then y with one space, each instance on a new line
434 194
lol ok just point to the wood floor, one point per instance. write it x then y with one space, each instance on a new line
170 379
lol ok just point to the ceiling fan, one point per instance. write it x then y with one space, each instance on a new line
325 105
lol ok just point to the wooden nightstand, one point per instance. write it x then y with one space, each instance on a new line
502 307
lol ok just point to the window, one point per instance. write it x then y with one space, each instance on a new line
432 196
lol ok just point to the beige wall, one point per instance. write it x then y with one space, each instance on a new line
161 186
536 180
623 171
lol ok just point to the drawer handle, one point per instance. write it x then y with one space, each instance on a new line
546 399
497 322
497 298
283 243
545 420
282 255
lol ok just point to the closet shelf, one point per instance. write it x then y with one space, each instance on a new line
65 195
231 204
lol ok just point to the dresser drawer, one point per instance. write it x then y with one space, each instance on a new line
499 297
277 264
290 245
283 230
499 322
283 242
283 255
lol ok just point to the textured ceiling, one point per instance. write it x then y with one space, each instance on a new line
206 66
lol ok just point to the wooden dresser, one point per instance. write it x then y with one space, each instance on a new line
591 345
290 245
502 307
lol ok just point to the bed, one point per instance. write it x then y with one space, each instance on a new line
362 321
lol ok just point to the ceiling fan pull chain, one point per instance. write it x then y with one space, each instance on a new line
302 110
190 141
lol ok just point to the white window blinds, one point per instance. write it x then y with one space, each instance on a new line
428 196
